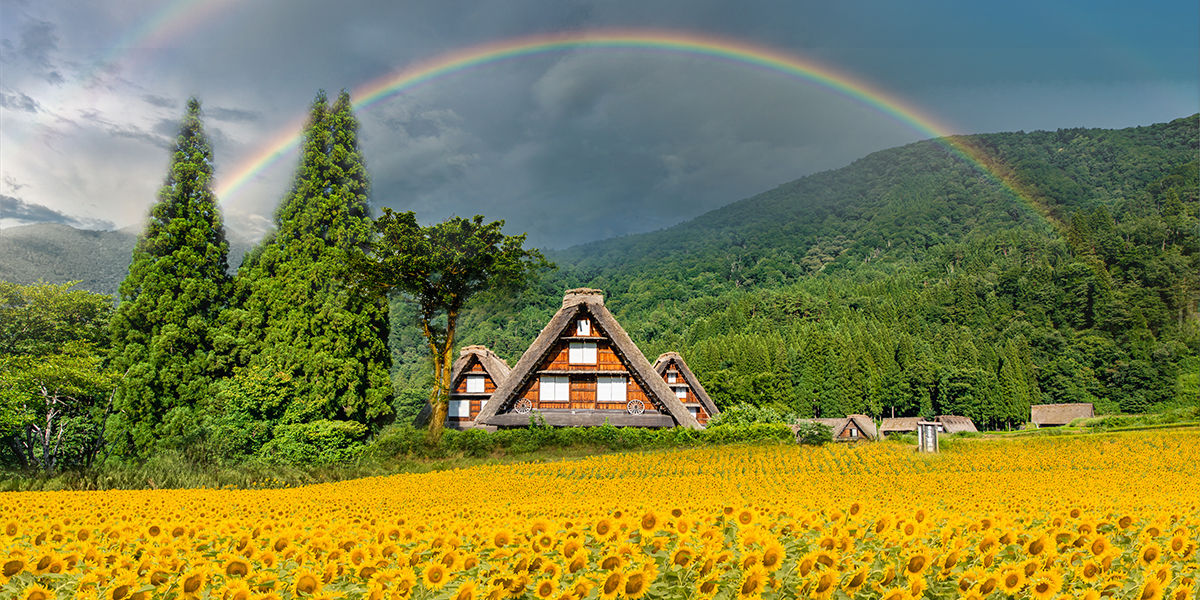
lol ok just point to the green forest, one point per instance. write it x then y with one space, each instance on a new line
910 282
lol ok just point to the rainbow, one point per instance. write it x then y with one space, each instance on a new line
685 43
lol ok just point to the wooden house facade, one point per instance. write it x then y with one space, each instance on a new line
473 379
584 370
687 388
851 428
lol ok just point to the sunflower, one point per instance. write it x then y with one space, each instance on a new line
650 521
1149 554
235 566
467 591
706 588
897 594
918 562
12 566
36 592
1152 589
122 587
773 555
1100 546
682 557
1038 545
753 582
435 576
1045 585
545 588
1012 580
745 517
1089 571
637 583
613 585
306 581
236 590
578 562
856 580
824 586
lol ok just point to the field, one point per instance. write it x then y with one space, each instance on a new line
1089 516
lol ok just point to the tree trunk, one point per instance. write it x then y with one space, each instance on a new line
442 371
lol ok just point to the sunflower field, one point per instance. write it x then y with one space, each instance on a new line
1099 516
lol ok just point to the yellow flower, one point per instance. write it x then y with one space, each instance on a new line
1012 580
753 582
306 581
36 592
545 588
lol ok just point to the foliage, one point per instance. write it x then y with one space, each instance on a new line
813 434
439 268
177 285
299 333
1046 517
55 392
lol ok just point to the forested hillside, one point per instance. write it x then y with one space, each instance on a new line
910 282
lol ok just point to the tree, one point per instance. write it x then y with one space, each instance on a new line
440 267
298 326
177 284
54 392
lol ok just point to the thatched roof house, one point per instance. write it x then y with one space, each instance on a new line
955 424
473 378
849 428
897 425
1054 415
584 370
689 391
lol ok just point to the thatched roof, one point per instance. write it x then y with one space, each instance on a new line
898 425
1060 414
591 302
495 367
955 423
864 424
665 360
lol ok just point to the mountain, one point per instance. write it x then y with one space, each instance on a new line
56 253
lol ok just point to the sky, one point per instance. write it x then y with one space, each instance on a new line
570 145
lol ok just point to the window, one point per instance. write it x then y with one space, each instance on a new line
582 353
583 327
555 388
672 377
460 408
681 392
853 432
474 384
610 389
695 410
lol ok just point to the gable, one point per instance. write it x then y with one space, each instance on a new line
604 354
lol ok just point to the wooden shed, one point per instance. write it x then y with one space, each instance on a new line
955 424
850 428
473 378
584 370
687 388
1056 415
898 425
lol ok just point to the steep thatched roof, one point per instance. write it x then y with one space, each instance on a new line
864 424
665 360
591 302
955 423
493 365
898 425
1060 414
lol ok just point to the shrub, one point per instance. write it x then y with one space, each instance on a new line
813 434
315 443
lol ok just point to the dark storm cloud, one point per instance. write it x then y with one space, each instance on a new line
20 210
18 101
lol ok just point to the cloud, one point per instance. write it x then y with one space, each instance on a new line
232 115
18 101
36 44
160 101
28 212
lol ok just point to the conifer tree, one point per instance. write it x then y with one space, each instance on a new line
300 329
177 284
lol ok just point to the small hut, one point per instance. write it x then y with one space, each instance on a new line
1057 415
898 425
955 424
850 428
687 388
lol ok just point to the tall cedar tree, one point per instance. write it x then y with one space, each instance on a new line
298 326
170 300
439 268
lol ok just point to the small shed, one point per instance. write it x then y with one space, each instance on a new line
955 424
1057 415
850 428
898 425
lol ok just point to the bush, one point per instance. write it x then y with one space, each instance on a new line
813 434
315 443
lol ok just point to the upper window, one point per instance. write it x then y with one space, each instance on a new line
474 384
672 377
610 389
681 392
555 388
582 353
853 432
583 327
